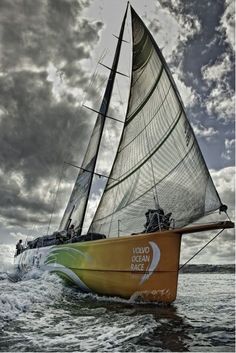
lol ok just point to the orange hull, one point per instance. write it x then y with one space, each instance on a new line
143 266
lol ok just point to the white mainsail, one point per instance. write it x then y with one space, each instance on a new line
158 161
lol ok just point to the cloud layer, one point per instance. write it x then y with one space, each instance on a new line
42 82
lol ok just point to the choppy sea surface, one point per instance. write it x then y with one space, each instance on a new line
40 313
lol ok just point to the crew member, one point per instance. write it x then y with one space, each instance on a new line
71 232
19 247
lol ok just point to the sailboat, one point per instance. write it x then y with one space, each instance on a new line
159 186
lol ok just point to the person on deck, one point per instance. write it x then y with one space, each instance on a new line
71 232
19 247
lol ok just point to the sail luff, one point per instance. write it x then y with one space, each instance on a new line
105 106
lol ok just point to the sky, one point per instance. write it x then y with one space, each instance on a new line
49 54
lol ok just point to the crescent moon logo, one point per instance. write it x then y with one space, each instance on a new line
156 254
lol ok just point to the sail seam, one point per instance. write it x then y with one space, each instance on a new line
171 171
149 121
176 92
153 152
142 66
146 99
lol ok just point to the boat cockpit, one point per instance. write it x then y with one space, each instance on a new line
156 220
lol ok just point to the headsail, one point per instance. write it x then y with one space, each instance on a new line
158 159
76 208
78 200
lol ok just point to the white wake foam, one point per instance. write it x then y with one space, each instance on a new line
36 288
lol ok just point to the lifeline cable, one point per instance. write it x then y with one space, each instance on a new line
201 249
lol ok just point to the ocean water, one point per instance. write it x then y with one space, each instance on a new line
41 314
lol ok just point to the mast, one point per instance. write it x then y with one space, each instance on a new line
105 106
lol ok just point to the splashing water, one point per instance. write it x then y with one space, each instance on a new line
35 288
40 313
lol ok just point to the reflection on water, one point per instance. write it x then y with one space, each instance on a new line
40 314
155 327
169 333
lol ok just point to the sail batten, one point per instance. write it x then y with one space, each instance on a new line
158 155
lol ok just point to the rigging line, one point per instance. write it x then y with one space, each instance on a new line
122 134
121 100
123 40
154 189
89 171
145 159
99 93
106 102
150 121
92 79
54 203
116 194
101 84
83 98
146 99
111 69
95 73
202 248
105 116
175 167
111 221
128 26
227 216
115 220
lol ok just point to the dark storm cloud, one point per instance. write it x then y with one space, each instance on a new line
203 60
36 131
41 124
22 217
36 136
37 32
